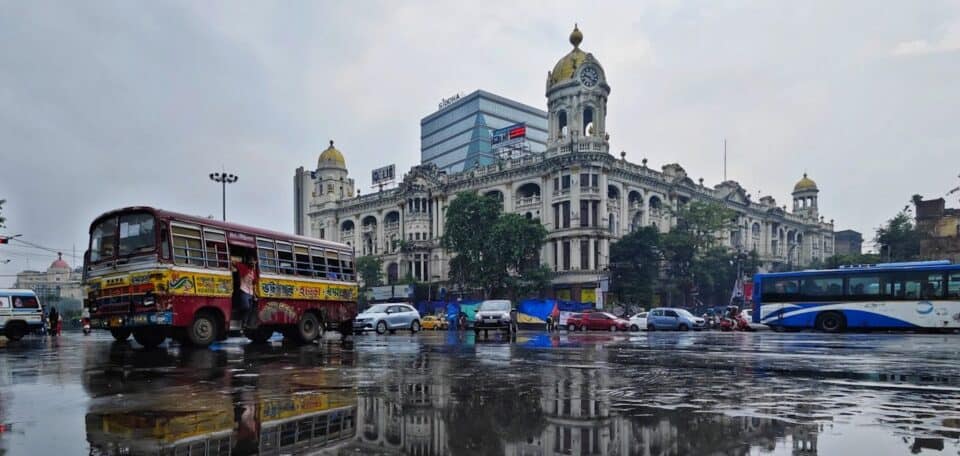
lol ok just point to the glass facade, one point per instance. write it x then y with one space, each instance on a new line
457 137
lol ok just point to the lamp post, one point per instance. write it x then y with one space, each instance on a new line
223 179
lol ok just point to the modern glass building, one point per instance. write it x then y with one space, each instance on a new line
457 136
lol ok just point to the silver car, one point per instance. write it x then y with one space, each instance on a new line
387 317
674 319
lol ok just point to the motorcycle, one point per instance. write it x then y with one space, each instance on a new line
85 324
733 320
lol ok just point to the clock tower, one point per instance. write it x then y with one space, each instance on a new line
577 94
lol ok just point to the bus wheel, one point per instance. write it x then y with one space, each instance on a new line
204 329
308 328
120 334
149 337
831 321
15 331
259 335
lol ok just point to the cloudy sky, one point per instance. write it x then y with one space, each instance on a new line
105 104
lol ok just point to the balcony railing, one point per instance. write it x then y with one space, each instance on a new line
346 234
369 228
526 201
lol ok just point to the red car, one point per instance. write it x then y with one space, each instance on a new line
601 321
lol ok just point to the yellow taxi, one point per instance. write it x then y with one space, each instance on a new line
432 322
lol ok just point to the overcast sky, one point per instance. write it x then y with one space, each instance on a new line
105 104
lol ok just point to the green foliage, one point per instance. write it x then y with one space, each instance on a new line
836 261
635 265
898 239
702 223
370 269
493 251
685 247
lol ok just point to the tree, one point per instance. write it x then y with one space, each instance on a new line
697 231
370 269
838 260
492 251
899 239
635 265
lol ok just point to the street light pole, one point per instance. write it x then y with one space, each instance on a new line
223 179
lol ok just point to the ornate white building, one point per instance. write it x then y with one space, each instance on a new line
584 196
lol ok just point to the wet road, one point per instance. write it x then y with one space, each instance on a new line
447 393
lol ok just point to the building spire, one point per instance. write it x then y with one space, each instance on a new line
576 37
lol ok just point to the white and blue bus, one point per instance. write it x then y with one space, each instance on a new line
915 295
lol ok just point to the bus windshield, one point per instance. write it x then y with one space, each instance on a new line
136 235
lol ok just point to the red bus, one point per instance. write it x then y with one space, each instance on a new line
158 274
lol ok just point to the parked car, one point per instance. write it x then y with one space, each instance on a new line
638 321
748 315
671 318
601 321
387 317
20 313
434 322
494 314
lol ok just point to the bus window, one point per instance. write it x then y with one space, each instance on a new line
333 265
953 285
302 260
216 244
319 263
187 246
25 302
346 263
136 234
285 258
820 288
933 288
780 290
864 287
268 255
102 240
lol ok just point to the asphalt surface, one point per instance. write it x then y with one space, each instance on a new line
448 393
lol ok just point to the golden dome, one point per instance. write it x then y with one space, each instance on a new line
567 66
331 157
805 184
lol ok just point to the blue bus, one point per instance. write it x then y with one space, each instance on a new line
914 295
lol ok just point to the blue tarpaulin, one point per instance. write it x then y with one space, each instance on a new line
528 309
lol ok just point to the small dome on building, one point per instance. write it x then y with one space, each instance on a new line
567 66
805 184
331 157
59 263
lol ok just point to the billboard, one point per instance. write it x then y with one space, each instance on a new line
512 134
383 175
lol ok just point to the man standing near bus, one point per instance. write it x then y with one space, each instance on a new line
247 275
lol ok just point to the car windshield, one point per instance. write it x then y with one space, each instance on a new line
136 234
377 308
495 305
641 315
102 240
684 313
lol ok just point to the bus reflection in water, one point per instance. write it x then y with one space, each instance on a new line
158 274
294 424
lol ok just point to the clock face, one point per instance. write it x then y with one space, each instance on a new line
589 76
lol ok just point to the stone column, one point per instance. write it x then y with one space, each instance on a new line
624 211
602 214
379 245
574 194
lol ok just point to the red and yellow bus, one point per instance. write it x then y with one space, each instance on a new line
159 274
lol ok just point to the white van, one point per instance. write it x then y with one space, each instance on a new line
20 313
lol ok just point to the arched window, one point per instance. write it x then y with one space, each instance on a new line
588 121
562 123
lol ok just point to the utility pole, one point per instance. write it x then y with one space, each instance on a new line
223 179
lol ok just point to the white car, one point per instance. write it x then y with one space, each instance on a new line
748 315
638 321
387 317
494 314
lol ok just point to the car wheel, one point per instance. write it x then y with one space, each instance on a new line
651 327
121 334
571 327
149 337
15 331
204 329
381 327
308 328
415 326
684 327
634 328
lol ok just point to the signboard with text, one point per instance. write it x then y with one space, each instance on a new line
513 134
384 175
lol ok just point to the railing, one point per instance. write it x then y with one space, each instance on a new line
590 190
369 228
561 192
416 216
346 234
391 226
525 201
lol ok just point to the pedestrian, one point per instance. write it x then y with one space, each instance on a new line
247 275
54 319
